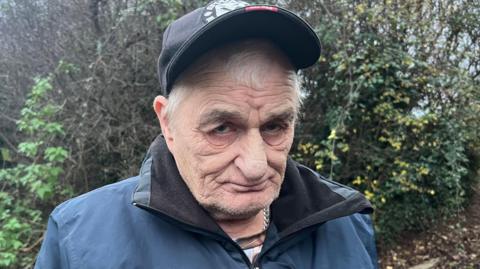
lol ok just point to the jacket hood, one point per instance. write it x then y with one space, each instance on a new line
306 199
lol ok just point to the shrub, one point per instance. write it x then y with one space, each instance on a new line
389 116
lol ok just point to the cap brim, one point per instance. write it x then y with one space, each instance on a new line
289 32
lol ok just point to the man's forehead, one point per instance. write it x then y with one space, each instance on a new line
253 86
244 95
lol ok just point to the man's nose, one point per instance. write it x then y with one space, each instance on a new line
252 160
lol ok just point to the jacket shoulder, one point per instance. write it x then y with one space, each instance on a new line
352 234
97 198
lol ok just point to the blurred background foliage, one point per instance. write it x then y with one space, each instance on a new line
392 107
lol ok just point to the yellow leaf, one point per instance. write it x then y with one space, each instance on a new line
357 181
342 67
396 145
332 156
423 171
333 135
368 194
360 8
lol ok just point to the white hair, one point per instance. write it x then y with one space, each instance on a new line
233 59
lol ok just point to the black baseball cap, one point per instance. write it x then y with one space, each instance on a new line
224 21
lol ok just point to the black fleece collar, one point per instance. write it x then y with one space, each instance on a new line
306 199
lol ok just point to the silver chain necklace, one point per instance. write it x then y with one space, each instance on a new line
266 217
246 242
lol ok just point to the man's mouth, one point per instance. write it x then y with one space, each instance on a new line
242 187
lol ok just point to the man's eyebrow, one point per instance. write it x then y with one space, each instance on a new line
286 115
216 115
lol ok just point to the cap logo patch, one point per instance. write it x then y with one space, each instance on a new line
217 8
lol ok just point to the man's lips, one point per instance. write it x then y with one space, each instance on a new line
245 187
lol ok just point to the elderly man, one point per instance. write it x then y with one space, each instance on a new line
218 189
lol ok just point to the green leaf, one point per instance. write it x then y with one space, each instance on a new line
42 85
30 149
54 128
55 154
44 191
12 224
5 154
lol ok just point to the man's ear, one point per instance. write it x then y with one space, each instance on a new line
160 106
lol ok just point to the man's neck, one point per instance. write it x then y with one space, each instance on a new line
243 227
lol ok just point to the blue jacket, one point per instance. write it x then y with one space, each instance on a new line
153 221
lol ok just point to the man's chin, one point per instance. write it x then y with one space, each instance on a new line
239 206
231 212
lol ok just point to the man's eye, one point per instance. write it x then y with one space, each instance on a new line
274 133
272 128
222 135
222 129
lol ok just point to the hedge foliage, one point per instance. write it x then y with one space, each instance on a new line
28 185
392 107
397 107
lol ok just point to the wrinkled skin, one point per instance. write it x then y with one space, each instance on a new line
231 140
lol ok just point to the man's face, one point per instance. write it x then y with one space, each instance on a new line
231 141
